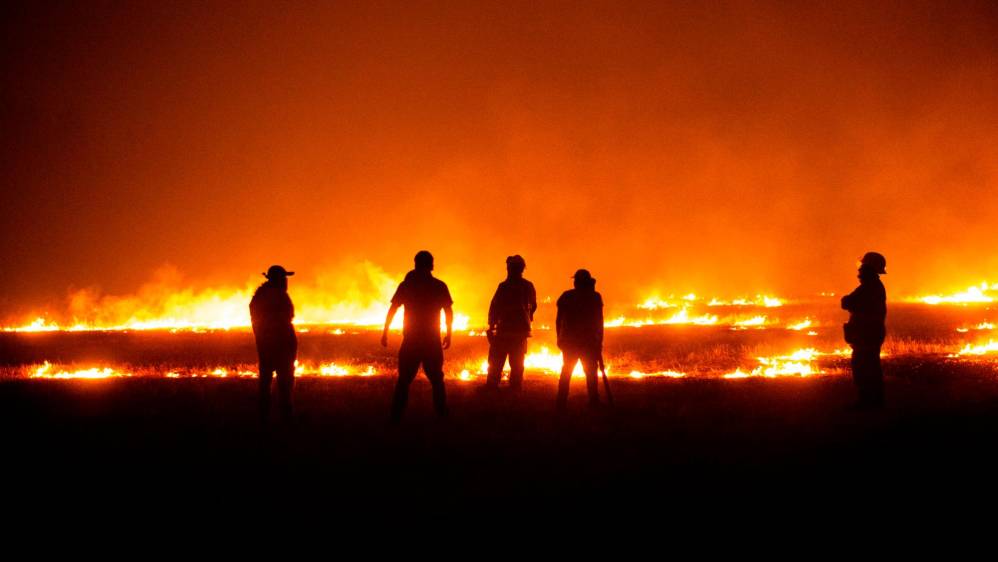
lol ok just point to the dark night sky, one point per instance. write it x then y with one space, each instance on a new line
728 149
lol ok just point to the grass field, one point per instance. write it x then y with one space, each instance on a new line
698 448
673 446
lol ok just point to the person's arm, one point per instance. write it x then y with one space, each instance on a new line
599 323
388 322
254 312
493 317
849 301
532 300
449 317
559 322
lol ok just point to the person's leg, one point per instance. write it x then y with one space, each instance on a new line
874 377
433 366
408 367
497 358
591 368
867 375
517 354
569 359
266 375
285 386
856 362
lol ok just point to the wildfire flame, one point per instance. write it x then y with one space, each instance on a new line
754 322
977 350
799 363
802 325
980 327
46 371
759 300
167 304
975 294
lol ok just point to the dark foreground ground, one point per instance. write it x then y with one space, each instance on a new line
721 452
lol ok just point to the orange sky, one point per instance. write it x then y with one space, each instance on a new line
725 149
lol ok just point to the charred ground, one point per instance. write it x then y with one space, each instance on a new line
670 449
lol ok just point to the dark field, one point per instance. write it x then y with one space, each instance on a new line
699 450
669 449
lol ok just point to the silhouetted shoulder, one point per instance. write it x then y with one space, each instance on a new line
444 292
423 290
566 297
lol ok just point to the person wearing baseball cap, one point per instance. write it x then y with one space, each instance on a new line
271 312
580 335
865 331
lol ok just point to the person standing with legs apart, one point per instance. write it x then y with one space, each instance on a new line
580 335
423 297
510 314
271 312
865 331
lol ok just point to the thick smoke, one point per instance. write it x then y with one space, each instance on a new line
723 150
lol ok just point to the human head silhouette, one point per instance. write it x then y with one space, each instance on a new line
584 279
424 261
873 262
278 276
515 265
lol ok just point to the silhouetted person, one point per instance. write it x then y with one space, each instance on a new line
865 331
423 297
510 314
271 312
580 335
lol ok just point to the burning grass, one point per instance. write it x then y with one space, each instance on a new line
747 344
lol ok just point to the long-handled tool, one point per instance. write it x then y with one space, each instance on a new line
606 381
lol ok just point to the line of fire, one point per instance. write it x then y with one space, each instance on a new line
709 266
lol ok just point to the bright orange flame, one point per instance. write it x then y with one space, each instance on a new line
167 304
975 294
802 325
977 350
798 363
759 300
46 371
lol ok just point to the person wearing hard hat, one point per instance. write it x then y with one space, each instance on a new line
271 312
510 314
865 331
580 335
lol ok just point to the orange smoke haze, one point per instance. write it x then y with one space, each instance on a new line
731 151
